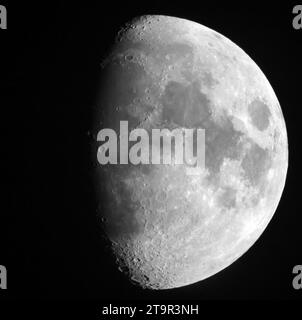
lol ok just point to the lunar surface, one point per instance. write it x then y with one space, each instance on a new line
168 228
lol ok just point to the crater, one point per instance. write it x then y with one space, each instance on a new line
208 80
256 163
222 141
259 113
228 198
176 50
217 35
117 207
185 106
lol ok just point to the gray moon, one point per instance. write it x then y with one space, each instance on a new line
167 228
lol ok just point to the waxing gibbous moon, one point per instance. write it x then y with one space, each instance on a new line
167 228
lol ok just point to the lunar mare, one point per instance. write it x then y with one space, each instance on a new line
168 228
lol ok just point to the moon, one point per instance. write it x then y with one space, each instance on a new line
167 228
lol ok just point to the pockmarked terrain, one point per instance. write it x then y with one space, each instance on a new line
168 228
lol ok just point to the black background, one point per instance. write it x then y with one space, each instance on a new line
50 63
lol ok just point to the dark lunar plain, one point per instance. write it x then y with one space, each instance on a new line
50 240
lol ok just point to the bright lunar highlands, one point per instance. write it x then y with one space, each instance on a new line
168 228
